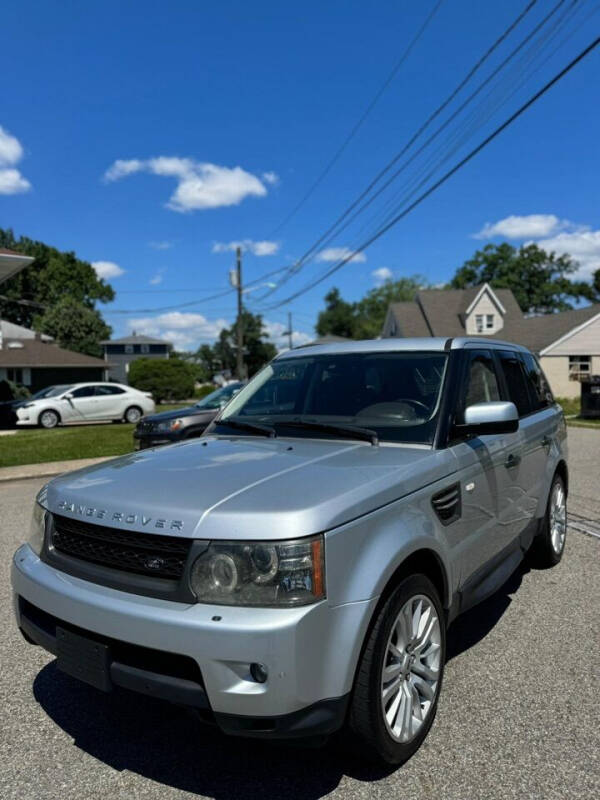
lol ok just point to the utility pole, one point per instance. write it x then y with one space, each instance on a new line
290 331
240 330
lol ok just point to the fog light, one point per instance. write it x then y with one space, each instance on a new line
259 672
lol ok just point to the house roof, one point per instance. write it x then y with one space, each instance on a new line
11 263
441 312
136 339
35 353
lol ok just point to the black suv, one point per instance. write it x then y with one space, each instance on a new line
182 423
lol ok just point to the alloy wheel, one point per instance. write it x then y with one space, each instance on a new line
411 668
558 517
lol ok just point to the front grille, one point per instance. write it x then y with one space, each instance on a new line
146 554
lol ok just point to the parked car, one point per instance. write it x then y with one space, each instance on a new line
79 402
182 423
295 570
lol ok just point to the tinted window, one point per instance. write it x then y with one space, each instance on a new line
84 391
481 381
107 389
395 394
541 395
516 382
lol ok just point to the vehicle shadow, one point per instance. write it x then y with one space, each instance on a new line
475 624
168 745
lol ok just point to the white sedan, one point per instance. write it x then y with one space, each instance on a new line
80 402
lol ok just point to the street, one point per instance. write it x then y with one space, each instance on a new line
518 718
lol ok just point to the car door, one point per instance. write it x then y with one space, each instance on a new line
109 401
520 478
480 459
81 403
538 422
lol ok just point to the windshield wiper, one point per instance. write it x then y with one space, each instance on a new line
351 431
234 422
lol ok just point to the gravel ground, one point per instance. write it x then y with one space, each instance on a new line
518 717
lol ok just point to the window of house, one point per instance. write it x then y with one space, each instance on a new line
579 365
489 322
479 323
516 382
144 348
129 348
15 374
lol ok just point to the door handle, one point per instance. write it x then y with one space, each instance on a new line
512 461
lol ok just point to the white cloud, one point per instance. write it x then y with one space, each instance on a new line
156 279
270 177
523 227
340 253
11 152
107 269
277 333
164 245
262 248
583 245
200 185
382 274
186 330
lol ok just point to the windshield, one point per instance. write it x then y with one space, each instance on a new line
219 397
51 391
395 395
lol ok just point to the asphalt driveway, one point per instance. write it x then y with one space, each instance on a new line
519 715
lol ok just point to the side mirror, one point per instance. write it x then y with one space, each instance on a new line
68 396
483 419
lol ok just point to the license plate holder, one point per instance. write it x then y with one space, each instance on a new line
83 658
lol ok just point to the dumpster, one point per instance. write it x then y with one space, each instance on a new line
590 397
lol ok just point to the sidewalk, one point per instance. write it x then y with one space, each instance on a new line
48 469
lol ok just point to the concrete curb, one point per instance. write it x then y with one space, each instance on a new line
48 469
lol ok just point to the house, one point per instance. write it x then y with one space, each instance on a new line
11 263
34 361
121 352
567 343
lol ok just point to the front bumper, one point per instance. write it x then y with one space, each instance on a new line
310 652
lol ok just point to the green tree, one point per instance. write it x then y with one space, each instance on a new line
258 351
338 318
166 378
74 326
539 280
52 276
364 319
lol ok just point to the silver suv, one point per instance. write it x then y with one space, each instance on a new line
295 570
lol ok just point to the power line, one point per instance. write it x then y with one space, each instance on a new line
447 175
339 152
293 269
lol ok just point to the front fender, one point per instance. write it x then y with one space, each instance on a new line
363 555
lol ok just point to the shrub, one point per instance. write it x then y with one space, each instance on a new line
167 378
570 405
202 391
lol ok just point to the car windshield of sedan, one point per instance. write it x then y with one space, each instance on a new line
395 396
51 391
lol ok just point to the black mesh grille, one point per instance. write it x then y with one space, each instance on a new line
146 554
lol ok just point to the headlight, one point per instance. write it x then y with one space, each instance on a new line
171 425
37 528
288 573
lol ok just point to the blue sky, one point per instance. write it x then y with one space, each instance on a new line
149 136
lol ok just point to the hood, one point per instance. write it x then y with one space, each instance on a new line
186 411
245 487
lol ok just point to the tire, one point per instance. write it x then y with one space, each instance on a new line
48 419
549 545
133 414
393 737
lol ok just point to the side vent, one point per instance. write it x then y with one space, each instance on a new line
447 504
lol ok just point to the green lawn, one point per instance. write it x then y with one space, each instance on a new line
35 446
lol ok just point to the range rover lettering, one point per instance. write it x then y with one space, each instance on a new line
314 545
